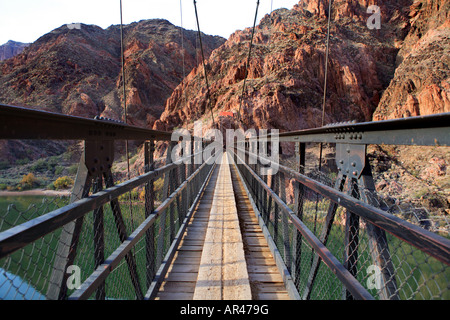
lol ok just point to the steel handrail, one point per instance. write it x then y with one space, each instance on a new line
19 236
433 244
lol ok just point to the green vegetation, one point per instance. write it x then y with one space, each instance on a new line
4 165
28 182
63 183
418 276
40 254
45 171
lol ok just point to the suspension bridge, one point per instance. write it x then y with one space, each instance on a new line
221 229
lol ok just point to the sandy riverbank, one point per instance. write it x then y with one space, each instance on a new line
36 192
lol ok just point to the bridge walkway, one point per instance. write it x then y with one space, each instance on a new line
223 254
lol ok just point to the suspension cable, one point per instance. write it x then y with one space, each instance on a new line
326 76
248 62
204 65
122 49
324 99
326 63
123 65
182 51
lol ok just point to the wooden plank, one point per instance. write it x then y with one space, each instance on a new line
223 270
191 267
273 296
265 279
191 242
182 276
177 286
269 287
187 247
180 282
262 269
174 296
188 254
261 255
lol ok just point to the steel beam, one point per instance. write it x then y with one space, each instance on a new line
23 123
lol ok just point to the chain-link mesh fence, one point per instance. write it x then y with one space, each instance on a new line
385 265
56 264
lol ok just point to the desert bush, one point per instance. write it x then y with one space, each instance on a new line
28 181
39 166
63 183
59 170
4 165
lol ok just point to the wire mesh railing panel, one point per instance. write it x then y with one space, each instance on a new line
24 275
385 265
71 260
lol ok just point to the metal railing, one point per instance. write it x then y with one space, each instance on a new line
338 237
108 241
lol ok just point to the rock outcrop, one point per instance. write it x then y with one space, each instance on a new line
77 71
284 86
421 84
11 49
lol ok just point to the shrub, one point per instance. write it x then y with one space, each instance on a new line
63 183
59 170
4 165
21 162
51 186
73 169
28 181
39 166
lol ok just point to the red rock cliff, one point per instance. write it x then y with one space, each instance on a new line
284 87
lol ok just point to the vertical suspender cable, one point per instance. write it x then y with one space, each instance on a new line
122 50
123 65
326 64
326 76
324 97
248 61
204 65
182 51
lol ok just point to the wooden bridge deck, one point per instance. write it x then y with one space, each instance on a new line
223 253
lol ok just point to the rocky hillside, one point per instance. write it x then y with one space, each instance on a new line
399 70
11 49
421 83
77 71
285 81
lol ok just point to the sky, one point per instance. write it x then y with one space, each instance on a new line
27 20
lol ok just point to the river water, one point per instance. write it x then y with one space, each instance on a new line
13 287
